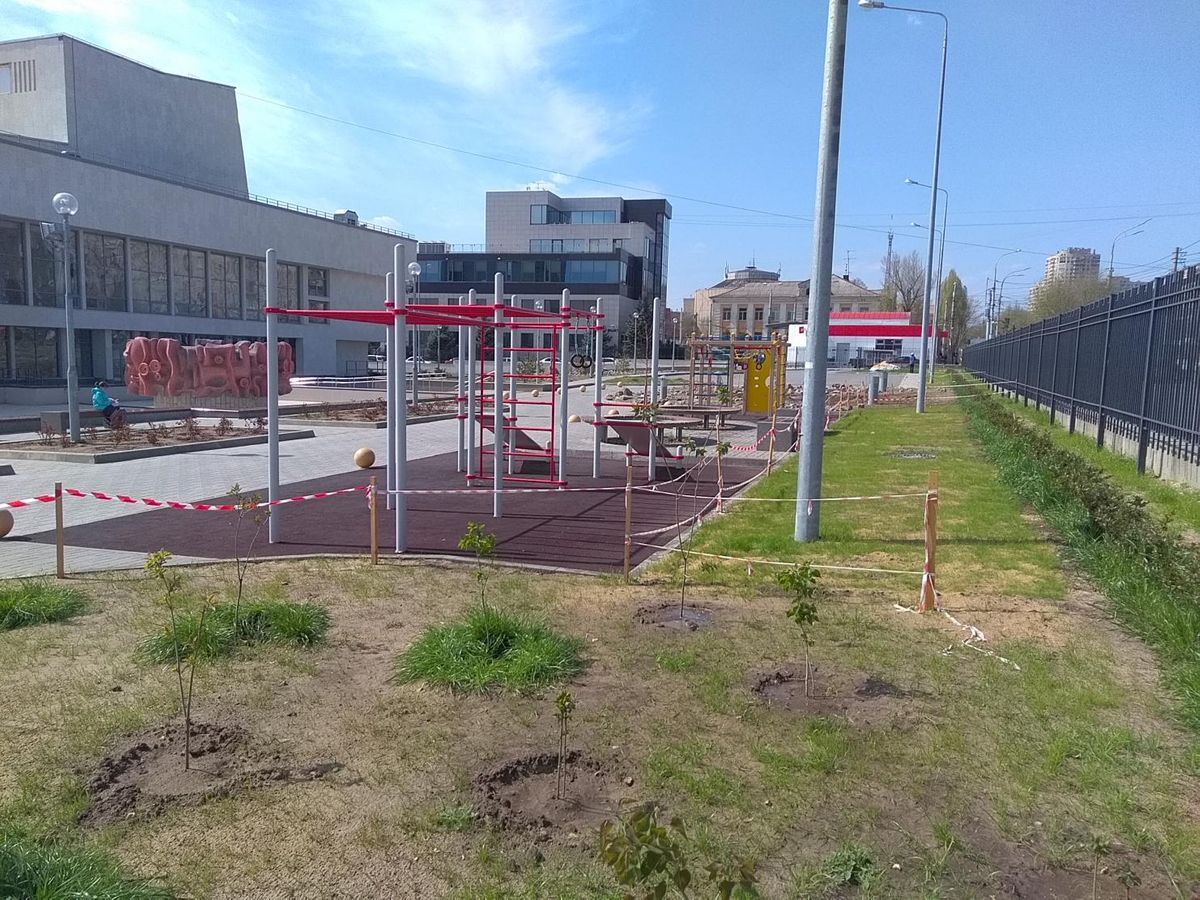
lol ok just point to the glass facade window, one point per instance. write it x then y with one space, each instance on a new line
595 271
432 270
35 353
318 304
541 214
318 282
467 270
556 245
4 360
104 271
148 265
45 270
12 266
599 245
256 288
287 290
189 289
118 339
226 286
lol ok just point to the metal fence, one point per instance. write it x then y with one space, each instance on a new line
1129 364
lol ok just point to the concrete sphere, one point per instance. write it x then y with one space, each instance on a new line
535 393
6 522
614 412
583 389
364 457
574 419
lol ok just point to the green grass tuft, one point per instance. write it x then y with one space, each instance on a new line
226 629
36 602
39 870
492 648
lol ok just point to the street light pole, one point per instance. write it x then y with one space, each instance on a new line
636 316
1128 232
812 410
994 303
66 206
937 309
933 198
414 273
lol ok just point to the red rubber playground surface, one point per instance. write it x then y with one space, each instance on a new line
569 529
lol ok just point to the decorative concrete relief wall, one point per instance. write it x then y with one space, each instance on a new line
162 367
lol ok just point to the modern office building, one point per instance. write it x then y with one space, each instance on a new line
751 301
168 240
604 249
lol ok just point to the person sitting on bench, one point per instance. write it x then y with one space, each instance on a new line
104 404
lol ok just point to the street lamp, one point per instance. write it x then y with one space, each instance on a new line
66 206
993 304
636 316
1000 295
1128 232
933 198
414 275
937 309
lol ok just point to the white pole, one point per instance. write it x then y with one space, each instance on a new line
511 410
497 398
69 334
390 391
564 356
597 388
274 525
401 401
926 305
459 404
472 332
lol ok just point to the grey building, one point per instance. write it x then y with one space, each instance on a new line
604 249
168 240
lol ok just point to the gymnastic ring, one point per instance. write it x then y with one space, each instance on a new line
577 360
585 362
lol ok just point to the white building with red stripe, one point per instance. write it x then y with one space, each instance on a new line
861 338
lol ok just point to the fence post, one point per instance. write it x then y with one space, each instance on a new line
1075 369
1054 368
626 566
928 599
1103 374
373 498
60 566
1143 431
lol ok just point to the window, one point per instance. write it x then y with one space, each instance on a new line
12 265
256 288
148 263
790 311
726 313
36 352
226 286
318 281
188 288
45 270
599 245
287 289
593 271
864 309
537 213
467 270
845 307
741 314
758 314
888 345
318 304
104 271
618 244
118 339
431 270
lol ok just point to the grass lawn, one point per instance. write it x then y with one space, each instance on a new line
925 768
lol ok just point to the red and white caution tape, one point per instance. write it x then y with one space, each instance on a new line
30 501
203 507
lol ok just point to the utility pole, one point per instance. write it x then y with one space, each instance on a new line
847 275
887 268
1178 259
812 434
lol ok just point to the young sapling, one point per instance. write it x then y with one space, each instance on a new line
482 543
250 517
801 582
564 705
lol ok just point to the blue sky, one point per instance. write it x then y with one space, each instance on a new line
1066 121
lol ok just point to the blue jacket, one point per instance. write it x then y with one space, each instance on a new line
100 400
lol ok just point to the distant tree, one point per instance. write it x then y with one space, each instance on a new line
1013 317
905 287
1060 296
442 344
959 313
645 323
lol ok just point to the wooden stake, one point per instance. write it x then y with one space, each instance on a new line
928 587
628 515
374 497
59 538
771 440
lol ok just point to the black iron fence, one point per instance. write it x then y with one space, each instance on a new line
1128 364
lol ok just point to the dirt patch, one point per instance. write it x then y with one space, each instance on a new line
519 795
667 615
866 700
145 775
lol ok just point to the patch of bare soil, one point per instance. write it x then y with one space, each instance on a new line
865 700
669 616
520 795
145 776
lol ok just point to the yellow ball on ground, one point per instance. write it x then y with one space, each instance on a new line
364 457
6 522
573 419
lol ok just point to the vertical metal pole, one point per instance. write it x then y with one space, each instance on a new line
564 356
497 400
374 497
401 401
937 309
390 391
933 200
274 521
597 388
1143 430
1075 369
512 394
473 331
652 462
459 402
60 541
1103 372
812 437
627 560
69 322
